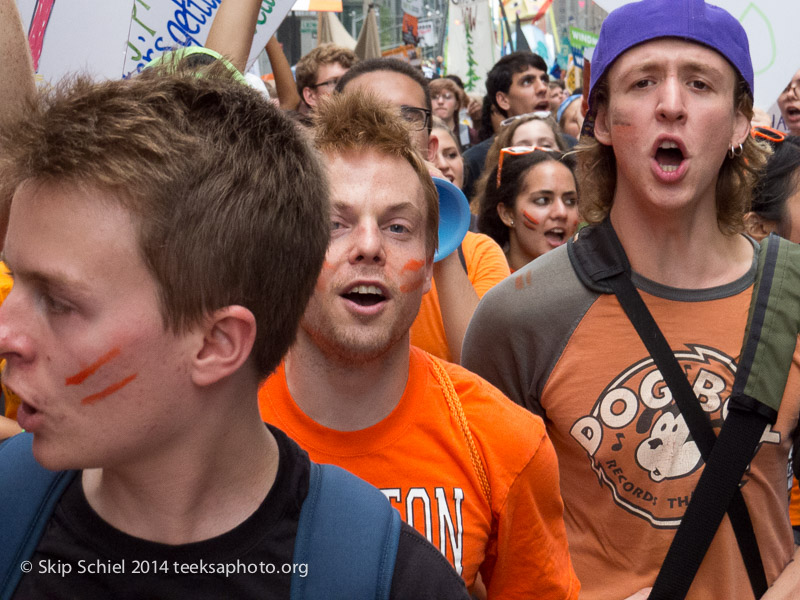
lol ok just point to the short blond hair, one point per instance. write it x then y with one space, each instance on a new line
358 120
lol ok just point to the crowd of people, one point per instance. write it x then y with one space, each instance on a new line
249 373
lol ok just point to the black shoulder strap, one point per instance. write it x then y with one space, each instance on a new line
600 258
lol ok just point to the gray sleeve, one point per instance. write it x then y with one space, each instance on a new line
522 326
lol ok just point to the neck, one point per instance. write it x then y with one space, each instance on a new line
682 248
173 494
451 122
346 395
515 255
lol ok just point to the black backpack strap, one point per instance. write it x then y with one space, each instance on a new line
600 261
28 495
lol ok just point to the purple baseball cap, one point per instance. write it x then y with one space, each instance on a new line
690 20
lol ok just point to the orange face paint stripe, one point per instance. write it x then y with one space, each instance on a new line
528 220
413 265
109 390
79 378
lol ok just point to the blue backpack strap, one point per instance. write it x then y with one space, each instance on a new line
28 495
347 537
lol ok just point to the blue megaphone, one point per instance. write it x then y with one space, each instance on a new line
454 217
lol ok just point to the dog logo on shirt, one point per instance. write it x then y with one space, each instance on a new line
638 442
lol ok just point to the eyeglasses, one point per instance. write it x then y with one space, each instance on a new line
443 96
539 114
793 87
417 118
516 151
768 133
328 82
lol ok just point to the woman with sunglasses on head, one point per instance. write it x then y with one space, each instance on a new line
530 204
537 129
447 99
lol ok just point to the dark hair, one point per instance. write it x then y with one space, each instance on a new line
456 79
230 202
486 129
514 170
501 75
387 64
780 178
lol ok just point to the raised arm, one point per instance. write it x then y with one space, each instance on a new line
288 97
16 69
232 31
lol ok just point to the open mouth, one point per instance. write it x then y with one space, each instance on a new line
793 111
669 156
556 236
365 295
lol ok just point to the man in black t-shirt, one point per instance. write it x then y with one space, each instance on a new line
165 234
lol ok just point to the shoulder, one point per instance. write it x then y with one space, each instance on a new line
486 264
506 433
477 154
523 323
422 572
545 293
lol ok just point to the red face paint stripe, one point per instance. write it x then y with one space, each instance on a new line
79 378
529 217
109 390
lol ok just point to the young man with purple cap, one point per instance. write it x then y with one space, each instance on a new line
667 169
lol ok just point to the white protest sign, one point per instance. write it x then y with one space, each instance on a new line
427 36
117 39
771 27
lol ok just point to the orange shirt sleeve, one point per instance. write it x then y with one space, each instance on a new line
11 401
794 504
486 264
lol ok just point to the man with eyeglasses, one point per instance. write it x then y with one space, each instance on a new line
318 72
789 103
517 84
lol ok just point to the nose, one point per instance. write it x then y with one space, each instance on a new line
368 248
558 210
440 163
16 344
671 105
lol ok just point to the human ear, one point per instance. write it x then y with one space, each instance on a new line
506 214
228 336
502 100
309 96
741 129
602 132
433 147
758 227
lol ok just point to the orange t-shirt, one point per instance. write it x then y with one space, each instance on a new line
486 267
419 459
794 504
627 461
11 401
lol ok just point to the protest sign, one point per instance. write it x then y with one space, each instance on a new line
117 39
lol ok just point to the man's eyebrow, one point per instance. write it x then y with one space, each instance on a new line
346 208
53 280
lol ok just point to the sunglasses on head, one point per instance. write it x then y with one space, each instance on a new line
768 133
516 151
539 114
